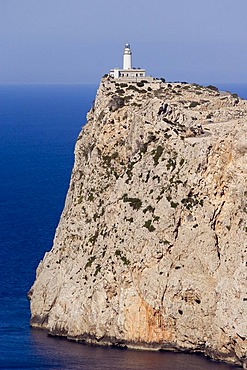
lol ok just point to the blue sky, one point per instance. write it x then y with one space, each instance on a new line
78 41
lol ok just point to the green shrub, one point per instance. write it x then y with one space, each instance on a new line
118 253
143 148
149 208
171 164
90 197
108 158
94 237
134 88
166 242
80 199
90 261
182 160
125 260
191 201
127 98
157 154
140 84
156 218
97 270
120 91
211 87
135 203
194 104
149 226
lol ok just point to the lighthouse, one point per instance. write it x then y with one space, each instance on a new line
127 64
128 72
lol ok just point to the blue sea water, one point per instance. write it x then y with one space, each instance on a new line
38 129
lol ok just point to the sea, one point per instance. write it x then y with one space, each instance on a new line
39 125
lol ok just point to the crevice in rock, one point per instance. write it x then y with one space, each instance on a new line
213 224
178 224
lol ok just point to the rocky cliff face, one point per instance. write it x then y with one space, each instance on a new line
150 250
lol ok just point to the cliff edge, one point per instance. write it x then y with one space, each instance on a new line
150 250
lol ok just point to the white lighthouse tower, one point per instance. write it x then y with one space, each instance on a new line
128 72
127 64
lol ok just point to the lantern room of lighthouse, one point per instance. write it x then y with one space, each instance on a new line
127 63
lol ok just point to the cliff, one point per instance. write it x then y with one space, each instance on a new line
150 250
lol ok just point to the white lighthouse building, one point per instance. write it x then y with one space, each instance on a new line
127 71
127 62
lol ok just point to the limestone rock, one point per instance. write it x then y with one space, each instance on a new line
150 250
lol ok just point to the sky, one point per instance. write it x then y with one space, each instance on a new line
78 41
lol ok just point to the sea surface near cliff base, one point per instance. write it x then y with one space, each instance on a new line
64 354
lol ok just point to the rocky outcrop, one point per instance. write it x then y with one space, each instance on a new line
150 250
